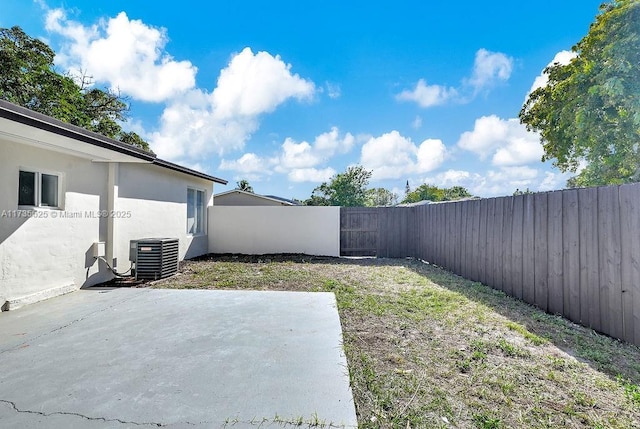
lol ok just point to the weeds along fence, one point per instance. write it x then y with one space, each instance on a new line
574 252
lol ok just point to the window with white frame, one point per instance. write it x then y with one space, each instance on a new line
38 189
195 211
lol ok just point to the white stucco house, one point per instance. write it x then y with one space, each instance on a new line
63 189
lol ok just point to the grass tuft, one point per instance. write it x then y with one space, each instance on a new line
533 338
631 391
484 421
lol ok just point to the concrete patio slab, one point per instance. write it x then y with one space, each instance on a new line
175 358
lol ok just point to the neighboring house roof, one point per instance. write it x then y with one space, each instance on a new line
425 202
21 115
265 198
284 200
458 200
416 204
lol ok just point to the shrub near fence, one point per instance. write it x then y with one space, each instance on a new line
574 252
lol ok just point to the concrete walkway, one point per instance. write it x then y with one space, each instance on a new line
175 358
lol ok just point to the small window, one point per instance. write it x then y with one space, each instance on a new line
49 194
195 211
27 189
38 189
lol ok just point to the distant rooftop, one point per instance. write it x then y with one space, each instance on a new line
284 200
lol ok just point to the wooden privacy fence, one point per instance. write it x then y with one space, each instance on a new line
574 252
358 231
387 232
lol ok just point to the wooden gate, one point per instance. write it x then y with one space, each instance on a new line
358 231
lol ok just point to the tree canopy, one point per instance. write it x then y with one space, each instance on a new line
28 78
434 193
244 185
348 189
380 197
589 112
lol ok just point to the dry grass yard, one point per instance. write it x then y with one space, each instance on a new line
429 349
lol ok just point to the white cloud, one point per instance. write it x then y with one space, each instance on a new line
519 173
554 180
333 90
193 130
249 166
127 54
130 56
417 122
301 162
431 154
495 182
253 84
311 174
563 58
489 68
488 133
506 140
304 155
501 180
392 156
199 123
330 143
506 180
195 166
247 163
297 155
251 177
520 149
451 178
388 154
427 95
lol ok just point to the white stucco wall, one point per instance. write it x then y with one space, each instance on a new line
262 230
156 199
49 251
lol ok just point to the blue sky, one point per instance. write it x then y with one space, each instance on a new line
287 95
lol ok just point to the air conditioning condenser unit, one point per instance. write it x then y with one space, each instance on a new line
154 258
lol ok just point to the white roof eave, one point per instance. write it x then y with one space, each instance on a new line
25 134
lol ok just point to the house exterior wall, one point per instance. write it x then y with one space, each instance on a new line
238 199
262 230
51 252
156 199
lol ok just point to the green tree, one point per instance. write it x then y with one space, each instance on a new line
456 193
134 140
434 193
316 200
28 78
244 185
379 197
519 192
348 189
589 112
424 192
